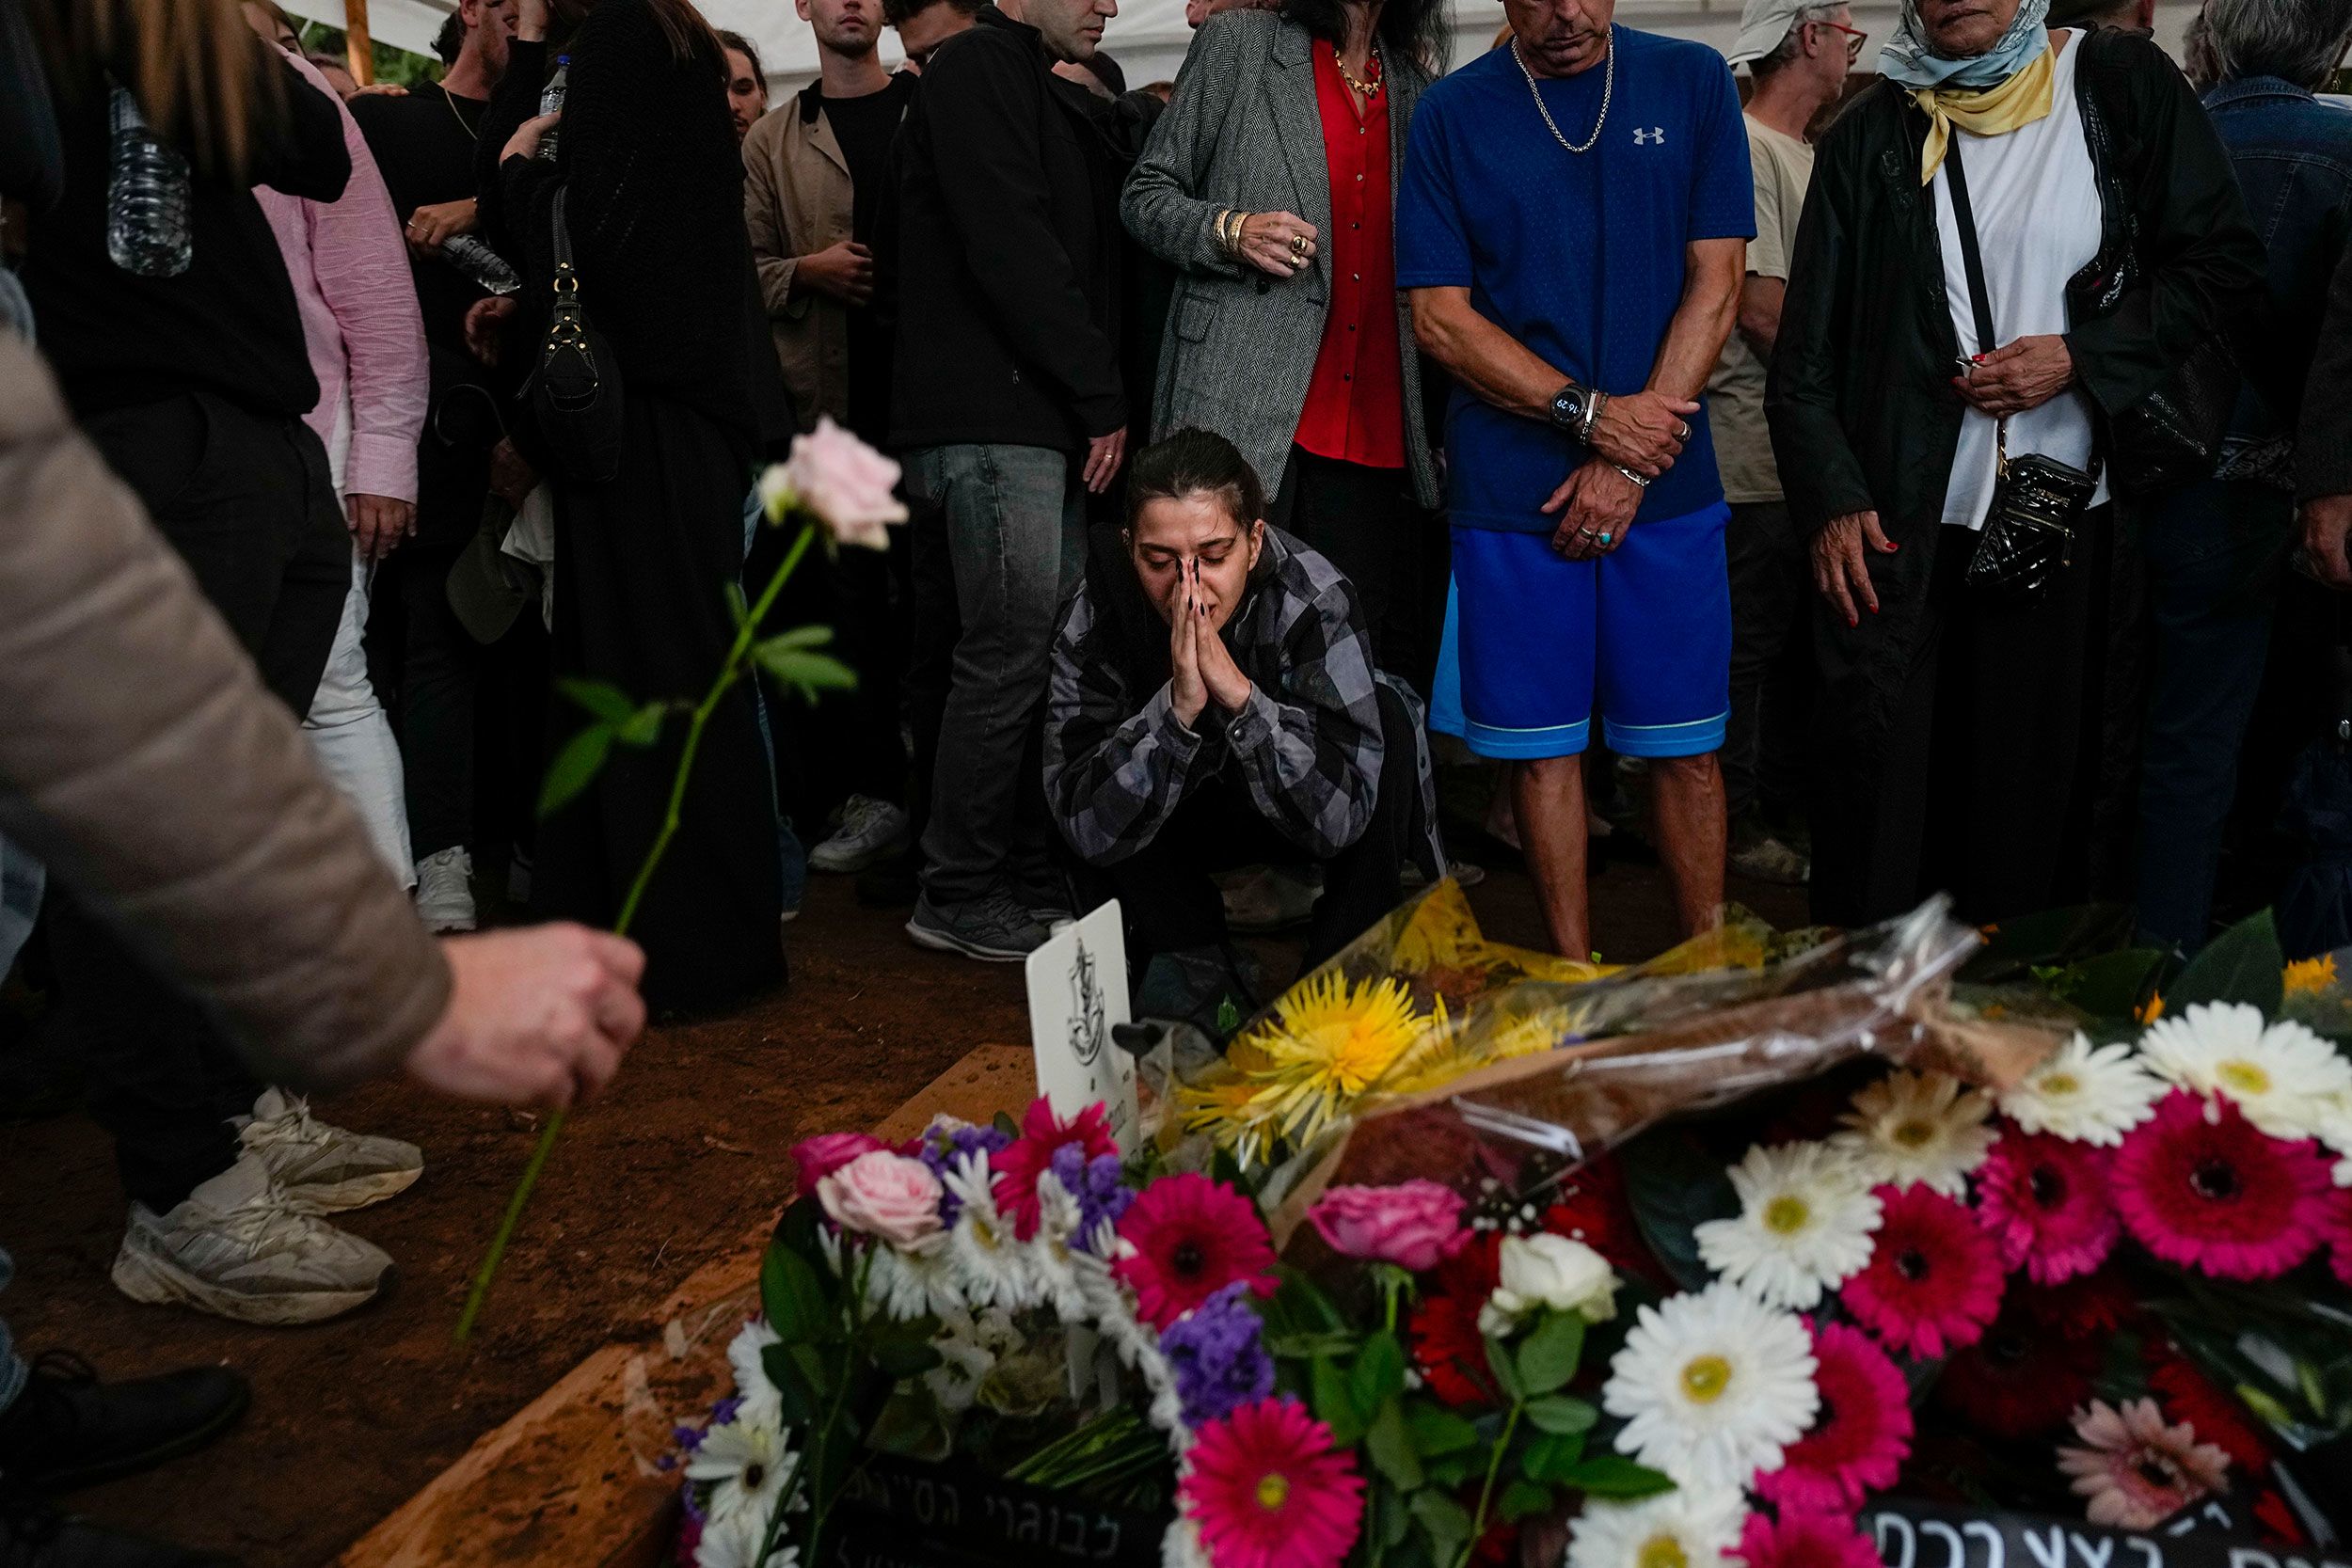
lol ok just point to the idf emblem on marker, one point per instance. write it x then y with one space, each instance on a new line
1089 1028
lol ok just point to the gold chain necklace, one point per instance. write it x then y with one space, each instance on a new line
1365 91
1608 89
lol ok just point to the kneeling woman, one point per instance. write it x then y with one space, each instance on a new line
1214 705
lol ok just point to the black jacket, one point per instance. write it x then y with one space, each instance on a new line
1862 411
1007 252
2323 445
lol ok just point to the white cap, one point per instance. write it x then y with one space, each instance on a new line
1763 24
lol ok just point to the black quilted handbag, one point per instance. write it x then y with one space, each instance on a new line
576 387
2029 533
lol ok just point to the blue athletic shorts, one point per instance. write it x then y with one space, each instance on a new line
1647 629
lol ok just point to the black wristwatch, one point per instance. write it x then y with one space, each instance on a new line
1573 410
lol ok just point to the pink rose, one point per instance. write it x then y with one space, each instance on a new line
1414 1226
842 480
821 1156
883 1194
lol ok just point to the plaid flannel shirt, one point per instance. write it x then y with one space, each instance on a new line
1307 744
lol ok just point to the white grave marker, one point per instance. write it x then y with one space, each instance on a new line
1078 992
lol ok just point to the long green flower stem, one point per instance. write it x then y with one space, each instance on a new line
730 671
1486 1493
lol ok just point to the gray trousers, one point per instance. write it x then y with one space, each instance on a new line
1016 535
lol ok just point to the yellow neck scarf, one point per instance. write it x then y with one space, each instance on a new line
1987 112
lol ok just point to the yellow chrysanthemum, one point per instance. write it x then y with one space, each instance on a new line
1447 1053
1442 933
2305 976
1328 1043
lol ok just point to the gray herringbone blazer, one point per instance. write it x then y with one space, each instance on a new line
1242 130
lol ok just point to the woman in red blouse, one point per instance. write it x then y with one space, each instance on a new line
1267 184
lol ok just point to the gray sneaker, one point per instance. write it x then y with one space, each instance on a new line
1768 859
238 1250
326 1169
994 930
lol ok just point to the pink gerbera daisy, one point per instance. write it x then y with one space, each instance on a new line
1267 1489
1935 1278
2201 1186
1192 1237
2137 1471
2336 1228
1799 1540
1018 1164
1859 1441
2045 1202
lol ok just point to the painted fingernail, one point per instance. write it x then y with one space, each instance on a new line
1853 620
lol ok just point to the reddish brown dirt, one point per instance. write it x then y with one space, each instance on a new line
685 1153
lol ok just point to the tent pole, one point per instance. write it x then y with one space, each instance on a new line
361 48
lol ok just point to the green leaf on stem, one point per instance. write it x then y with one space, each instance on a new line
793 1297
1335 1403
2242 964
1454 1468
1003 1123
1562 1416
801 1402
602 698
1608 1475
802 637
1551 1459
575 767
1548 1358
793 664
644 726
1379 1373
1523 1499
1391 1450
1436 1429
1506 1375
1447 1522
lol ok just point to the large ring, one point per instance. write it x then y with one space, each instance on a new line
1297 262
1604 538
1684 433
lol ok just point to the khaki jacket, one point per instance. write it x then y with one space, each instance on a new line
797 201
141 757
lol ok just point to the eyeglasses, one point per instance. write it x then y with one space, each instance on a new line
1855 38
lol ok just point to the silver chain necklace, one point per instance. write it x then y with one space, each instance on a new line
1608 91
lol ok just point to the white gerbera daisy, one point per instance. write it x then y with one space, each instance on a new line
761 1399
1918 1127
2085 1094
734 1544
970 1345
1674 1529
2281 1074
1713 1387
912 1281
1052 1260
1806 1217
990 1266
2335 1131
746 1463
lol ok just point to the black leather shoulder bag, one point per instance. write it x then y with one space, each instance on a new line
576 387
2029 533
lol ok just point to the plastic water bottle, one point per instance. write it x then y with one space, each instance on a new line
477 261
551 102
146 197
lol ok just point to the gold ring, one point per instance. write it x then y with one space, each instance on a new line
1298 244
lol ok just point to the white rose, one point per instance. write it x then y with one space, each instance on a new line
846 483
1544 1270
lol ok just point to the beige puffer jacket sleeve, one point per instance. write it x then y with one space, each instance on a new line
141 757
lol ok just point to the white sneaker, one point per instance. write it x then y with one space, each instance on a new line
324 1169
870 829
445 890
238 1250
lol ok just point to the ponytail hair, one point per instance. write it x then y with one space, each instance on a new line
1195 462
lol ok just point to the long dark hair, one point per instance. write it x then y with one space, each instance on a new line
1413 30
688 34
1192 462
201 78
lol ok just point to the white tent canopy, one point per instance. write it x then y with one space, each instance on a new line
1148 37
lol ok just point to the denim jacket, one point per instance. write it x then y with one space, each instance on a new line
2293 155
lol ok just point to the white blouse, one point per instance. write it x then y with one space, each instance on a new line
2036 199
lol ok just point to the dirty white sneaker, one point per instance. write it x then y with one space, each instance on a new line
1275 899
870 829
238 1250
445 890
324 1169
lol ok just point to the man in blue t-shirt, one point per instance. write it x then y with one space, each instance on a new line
1571 226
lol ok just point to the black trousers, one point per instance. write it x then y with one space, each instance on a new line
440 666
2009 773
1772 660
640 602
246 501
1366 522
1171 903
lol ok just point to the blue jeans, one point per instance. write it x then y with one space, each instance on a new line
1016 535
13 1368
2214 552
788 846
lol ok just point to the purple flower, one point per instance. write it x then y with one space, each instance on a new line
1097 1186
1217 1355
941 1148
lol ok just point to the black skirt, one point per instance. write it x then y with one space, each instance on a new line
641 568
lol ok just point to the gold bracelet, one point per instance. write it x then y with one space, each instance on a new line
1228 227
1239 219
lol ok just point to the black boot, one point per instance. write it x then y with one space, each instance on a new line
34 1535
67 1430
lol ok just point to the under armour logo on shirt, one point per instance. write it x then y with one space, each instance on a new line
1654 137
